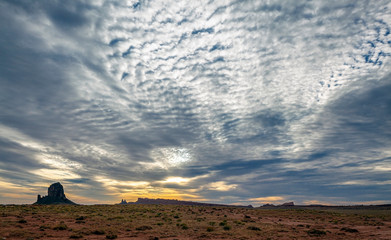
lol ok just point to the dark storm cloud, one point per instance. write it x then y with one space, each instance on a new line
228 100
361 118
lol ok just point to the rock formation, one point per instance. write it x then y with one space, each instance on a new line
160 201
290 204
55 195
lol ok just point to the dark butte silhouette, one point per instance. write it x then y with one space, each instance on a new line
55 195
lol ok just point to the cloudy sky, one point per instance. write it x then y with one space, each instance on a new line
225 101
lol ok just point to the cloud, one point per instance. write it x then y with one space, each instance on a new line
260 99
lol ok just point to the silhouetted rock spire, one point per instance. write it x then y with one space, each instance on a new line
56 190
55 195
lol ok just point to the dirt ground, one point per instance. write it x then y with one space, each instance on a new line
189 222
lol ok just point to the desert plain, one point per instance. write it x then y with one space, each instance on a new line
192 222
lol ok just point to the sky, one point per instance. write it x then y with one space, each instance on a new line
220 101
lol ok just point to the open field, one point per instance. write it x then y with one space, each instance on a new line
190 222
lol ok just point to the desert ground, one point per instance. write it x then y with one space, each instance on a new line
191 222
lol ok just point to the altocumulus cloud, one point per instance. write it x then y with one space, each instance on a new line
219 101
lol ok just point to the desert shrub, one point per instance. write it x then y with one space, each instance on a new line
98 232
184 226
111 236
351 230
22 221
81 218
159 224
143 228
316 232
76 236
254 228
223 223
239 222
212 223
210 229
16 234
116 218
227 227
61 226
43 227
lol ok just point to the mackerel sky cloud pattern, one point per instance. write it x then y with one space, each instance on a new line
243 102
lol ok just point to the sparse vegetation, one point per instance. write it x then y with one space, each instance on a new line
227 227
351 230
143 228
316 232
98 232
254 228
76 236
193 222
60 226
111 236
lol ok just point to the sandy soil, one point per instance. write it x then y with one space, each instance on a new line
189 222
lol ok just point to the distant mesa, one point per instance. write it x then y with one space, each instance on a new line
268 205
55 195
288 204
160 201
284 205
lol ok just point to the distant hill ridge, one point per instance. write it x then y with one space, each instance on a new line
161 201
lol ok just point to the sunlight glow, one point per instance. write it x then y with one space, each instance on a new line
221 186
171 157
178 180
269 199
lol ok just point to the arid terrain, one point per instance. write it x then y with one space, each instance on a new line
191 222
